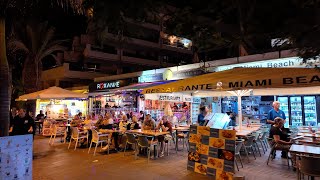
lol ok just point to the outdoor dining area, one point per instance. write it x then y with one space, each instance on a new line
252 142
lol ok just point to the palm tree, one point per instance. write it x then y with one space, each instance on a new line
38 45
17 6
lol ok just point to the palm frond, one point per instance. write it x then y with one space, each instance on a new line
33 40
49 51
57 42
15 45
47 37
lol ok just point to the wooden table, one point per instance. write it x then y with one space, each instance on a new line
305 149
148 132
246 130
309 135
181 129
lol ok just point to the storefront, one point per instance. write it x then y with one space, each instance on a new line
251 82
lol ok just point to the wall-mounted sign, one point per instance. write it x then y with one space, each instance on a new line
196 100
151 78
108 85
187 73
263 78
177 98
275 63
187 98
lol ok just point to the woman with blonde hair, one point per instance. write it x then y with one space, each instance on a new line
134 124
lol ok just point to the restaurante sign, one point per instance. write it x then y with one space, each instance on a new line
272 82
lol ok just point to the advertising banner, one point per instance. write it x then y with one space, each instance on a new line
16 157
212 152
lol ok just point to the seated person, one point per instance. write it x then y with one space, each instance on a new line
165 126
134 124
88 120
107 123
149 123
99 122
276 134
123 123
76 121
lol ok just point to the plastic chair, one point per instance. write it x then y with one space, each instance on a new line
273 150
184 137
239 144
255 141
96 139
143 142
309 165
54 132
263 141
248 145
131 139
76 135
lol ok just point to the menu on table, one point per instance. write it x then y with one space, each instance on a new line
211 152
16 157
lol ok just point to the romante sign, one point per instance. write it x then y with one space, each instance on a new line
106 86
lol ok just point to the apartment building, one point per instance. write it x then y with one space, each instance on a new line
142 46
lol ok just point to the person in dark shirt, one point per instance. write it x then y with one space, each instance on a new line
22 124
203 112
40 116
276 133
165 126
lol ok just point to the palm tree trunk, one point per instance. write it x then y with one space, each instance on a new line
4 82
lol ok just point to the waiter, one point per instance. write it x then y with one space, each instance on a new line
275 112
22 124
272 115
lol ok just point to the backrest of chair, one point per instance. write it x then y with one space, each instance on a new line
54 129
95 136
238 146
310 165
131 138
249 140
256 135
143 141
74 132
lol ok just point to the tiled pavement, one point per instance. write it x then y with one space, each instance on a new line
60 163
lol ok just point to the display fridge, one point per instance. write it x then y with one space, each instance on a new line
299 110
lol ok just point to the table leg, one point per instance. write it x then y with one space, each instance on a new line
176 141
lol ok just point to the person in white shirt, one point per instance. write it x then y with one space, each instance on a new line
123 123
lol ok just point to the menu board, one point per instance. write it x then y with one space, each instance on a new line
16 157
211 152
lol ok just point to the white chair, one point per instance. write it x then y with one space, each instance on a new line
76 135
96 138
54 132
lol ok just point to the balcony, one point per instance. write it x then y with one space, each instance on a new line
68 72
128 59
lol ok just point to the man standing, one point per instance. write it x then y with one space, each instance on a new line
275 112
22 124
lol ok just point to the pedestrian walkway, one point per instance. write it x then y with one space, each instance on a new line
51 163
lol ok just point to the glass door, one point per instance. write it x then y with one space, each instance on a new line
284 106
310 110
296 111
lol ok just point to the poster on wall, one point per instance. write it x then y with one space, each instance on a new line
16 157
211 152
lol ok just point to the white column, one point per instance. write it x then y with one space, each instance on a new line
239 112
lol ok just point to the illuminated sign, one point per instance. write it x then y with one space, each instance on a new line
106 86
257 83
276 63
